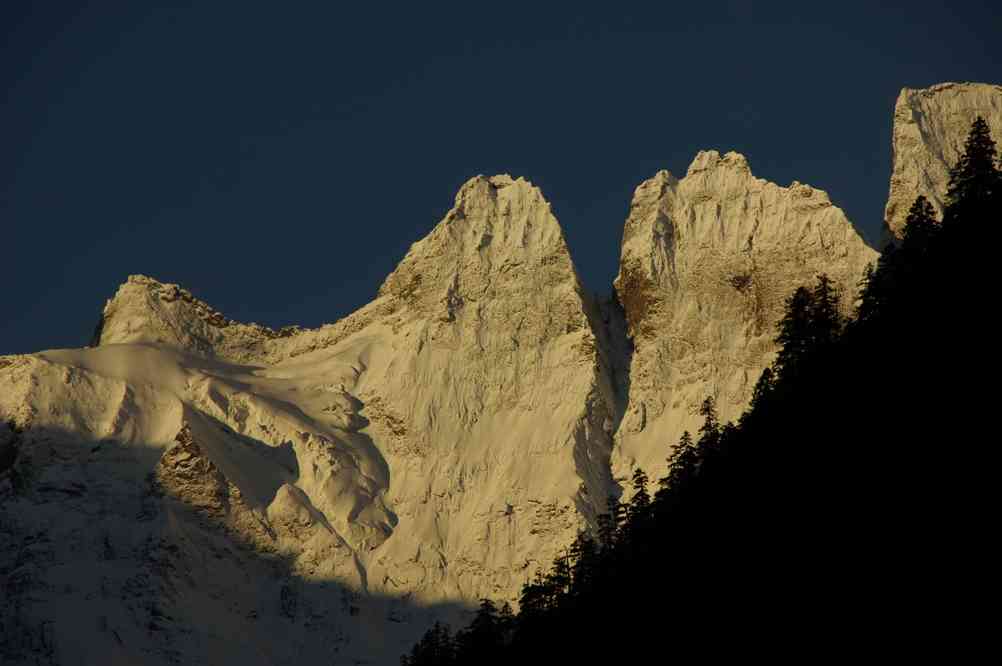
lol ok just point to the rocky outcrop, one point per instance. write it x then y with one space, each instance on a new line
707 263
930 126
145 310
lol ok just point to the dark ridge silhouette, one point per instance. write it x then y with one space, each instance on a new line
847 515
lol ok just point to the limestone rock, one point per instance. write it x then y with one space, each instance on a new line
707 263
930 126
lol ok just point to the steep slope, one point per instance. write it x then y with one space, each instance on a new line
930 126
436 446
706 265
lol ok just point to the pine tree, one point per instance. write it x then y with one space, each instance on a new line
681 467
584 555
505 623
609 522
920 229
641 500
794 333
709 432
975 180
480 641
825 320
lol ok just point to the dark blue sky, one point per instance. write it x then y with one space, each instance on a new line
279 158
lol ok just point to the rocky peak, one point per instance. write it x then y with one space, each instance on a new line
706 265
150 311
930 126
499 234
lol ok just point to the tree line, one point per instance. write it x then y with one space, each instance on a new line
849 513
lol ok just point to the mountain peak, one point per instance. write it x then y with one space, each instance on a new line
930 127
500 229
706 265
147 310
707 160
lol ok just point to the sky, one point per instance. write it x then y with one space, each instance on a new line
278 159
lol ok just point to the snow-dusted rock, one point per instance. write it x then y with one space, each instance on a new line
436 446
707 263
930 126
195 487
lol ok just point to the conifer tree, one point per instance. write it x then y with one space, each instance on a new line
794 332
681 467
609 522
480 641
641 500
583 557
825 320
920 229
975 180
710 430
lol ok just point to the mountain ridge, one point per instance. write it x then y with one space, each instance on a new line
443 442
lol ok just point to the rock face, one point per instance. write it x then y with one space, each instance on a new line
930 126
436 446
707 263
205 491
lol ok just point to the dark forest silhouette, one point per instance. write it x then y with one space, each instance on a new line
848 513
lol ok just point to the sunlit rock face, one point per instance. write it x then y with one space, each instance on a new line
439 445
206 491
707 263
930 126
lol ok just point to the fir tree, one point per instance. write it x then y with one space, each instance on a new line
794 333
609 522
710 430
825 320
920 229
641 500
975 179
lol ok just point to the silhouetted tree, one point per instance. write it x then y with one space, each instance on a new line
920 230
825 320
794 333
641 501
974 180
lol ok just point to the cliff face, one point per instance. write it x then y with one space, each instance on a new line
930 126
707 263
436 446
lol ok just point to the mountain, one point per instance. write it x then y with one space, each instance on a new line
435 446
189 488
930 125
707 264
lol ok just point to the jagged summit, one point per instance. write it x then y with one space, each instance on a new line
930 126
147 310
711 159
498 232
706 264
